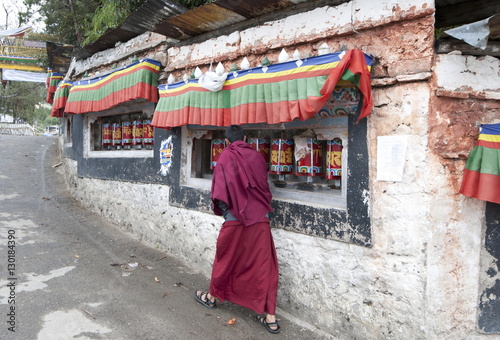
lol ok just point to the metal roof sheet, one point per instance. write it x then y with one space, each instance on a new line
197 21
254 8
142 20
59 56
169 18
150 14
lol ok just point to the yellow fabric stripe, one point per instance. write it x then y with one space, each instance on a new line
251 76
118 73
21 67
181 88
297 70
489 138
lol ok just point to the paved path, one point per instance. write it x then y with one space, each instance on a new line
69 274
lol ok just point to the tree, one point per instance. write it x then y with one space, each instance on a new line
74 21
19 99
111 14
66 19
81 22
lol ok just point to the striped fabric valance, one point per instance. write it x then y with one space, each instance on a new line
269 94
60 98
53 78
137 80
19 59
482 170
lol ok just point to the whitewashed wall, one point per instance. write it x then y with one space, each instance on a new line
420 278
467 87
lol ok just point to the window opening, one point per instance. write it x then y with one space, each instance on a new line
131 131
68 128
299 159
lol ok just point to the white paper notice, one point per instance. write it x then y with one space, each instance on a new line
391 155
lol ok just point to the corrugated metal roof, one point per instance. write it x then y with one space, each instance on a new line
219 14
59 56
169 18
197 21
150 14
142 20
254 8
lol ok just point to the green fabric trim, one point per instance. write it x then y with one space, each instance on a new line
288 90
20 60
54 82
61 93
349 76
484 160
139 76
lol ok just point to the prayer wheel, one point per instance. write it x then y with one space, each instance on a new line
218 146
137 132
281 156
107 134
333 159
262 146
309 156
126 132
148 134
117 134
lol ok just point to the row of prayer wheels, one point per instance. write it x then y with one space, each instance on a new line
300 156
127 132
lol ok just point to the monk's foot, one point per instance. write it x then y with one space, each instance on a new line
269 322
205 298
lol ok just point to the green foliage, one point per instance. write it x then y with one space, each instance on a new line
109 15
65 20
81 22
20 99
194 3
49 120
438 32
43 118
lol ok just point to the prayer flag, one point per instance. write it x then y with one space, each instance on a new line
482 171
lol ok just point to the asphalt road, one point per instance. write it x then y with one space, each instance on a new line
66 273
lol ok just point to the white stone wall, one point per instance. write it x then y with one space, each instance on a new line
188 235
456 222
122 53
462 76
314 25
419 280
343 289
16 129
456 72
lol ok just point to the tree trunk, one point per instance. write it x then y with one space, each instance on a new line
79 37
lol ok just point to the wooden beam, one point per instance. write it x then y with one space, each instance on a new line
22 67
465 13
449 45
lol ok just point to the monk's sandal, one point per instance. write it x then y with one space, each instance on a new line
272 327
202 298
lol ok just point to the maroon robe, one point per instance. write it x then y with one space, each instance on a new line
245 269
240 180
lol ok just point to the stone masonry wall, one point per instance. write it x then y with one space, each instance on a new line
466 95
419 280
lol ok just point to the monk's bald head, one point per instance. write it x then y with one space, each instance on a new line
234 133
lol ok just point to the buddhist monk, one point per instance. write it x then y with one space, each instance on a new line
245 269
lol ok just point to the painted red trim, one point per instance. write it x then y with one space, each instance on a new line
481 186
490 145
140 90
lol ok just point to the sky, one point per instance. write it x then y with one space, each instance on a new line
8 15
